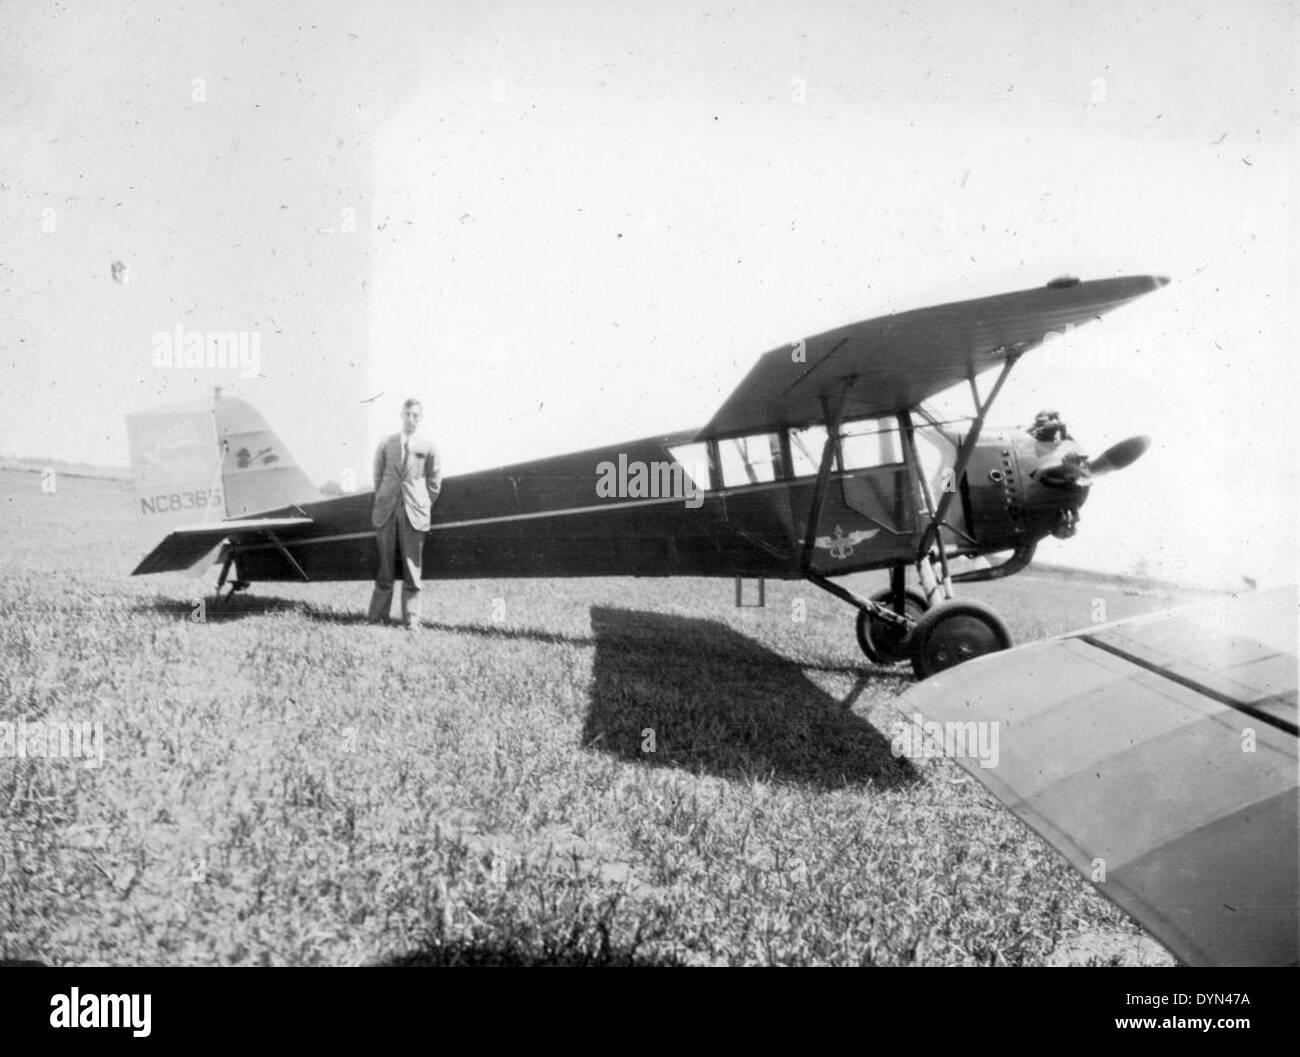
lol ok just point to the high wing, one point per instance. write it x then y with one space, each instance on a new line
895 362
1162 751
185 547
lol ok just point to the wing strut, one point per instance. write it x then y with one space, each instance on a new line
829 455
937 514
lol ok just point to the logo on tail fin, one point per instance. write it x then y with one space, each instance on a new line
266 456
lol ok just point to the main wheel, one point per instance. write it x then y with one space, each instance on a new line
953 632
881 641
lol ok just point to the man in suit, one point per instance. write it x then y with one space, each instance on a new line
408 478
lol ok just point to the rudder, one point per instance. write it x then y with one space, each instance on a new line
258 473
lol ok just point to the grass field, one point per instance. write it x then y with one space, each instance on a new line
283 784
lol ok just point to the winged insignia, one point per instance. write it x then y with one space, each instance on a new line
841 545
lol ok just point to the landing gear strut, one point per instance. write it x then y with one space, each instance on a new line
235 584
934 633
888 642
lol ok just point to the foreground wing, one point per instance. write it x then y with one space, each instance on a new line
895 362
1162 751
185 547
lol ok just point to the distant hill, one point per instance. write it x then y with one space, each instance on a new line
34 464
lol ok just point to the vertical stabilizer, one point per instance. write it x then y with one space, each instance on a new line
209 460
176 465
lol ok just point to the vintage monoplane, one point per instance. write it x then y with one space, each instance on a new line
824 461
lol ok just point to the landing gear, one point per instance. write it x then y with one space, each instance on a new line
932 636
235 584
953 632
929 626
884 641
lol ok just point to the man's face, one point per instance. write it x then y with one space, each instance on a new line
411 418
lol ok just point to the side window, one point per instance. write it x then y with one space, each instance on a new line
868 444
694 461
749 460
862 445
806 447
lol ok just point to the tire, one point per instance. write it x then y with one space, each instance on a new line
954 632
882 642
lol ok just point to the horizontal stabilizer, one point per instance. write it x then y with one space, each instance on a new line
185 547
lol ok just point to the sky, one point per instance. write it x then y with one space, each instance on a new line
568 224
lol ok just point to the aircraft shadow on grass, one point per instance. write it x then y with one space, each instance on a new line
709 699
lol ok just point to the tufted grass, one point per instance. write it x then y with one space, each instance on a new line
563 772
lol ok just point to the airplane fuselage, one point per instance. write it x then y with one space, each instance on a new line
557 517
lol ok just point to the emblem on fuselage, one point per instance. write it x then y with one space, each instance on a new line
841 545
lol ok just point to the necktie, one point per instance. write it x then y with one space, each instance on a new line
404 455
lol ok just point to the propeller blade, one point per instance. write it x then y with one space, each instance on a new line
1116 457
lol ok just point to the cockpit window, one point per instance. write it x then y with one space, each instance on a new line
864 445
750 460
694 461
806 447
870 443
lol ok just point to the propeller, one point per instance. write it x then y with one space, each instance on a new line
1076 469
1117 456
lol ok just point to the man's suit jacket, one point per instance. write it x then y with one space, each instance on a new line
416 484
